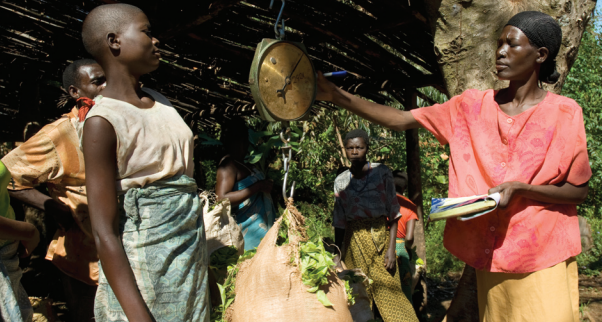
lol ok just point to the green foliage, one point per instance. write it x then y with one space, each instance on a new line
316 266
590 262
439 260
226 285
318 220
351 278
283 231
583 84
221 259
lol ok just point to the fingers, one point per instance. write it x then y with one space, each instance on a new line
389 263
494 190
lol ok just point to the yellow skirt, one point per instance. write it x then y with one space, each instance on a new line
366 242
549 295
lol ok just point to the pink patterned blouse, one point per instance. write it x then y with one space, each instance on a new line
542 146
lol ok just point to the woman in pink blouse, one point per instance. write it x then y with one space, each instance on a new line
529 145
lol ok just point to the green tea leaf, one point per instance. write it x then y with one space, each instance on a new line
323 299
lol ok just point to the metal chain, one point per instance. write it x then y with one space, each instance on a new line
286 160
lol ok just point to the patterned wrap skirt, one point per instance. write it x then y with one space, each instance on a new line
164 239
366 242
14 303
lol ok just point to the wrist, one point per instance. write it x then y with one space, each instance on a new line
338 95
30 231
522 187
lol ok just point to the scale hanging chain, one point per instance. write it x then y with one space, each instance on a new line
279 31
286 160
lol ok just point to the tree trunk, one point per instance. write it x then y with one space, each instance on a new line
466 33
415 195
415 183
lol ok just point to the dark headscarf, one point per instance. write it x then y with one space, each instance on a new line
542 31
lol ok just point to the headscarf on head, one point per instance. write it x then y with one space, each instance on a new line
543 31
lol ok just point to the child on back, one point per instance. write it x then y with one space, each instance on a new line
150 240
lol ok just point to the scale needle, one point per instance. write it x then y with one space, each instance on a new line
287 80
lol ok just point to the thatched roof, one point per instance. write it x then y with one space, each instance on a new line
207 49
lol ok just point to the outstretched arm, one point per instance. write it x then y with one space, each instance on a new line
100 145
386 116
564 193
226 178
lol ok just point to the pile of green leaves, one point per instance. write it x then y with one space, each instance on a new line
316 265
226 288
350 278
283 231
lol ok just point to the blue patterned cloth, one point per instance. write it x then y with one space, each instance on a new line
164 239
14 303
255 215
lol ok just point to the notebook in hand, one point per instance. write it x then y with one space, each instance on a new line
464 208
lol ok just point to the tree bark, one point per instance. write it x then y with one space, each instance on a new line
466 32
465 39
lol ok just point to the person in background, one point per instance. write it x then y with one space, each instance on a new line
15 306
365 205
245 187
53 156
529 145
146 216
405 233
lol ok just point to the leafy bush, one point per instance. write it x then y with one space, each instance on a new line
590 262
583 85
439 260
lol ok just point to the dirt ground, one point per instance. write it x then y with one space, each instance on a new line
440 294
42 282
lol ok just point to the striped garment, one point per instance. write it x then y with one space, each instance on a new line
163 236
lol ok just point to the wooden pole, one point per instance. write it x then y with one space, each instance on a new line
415 181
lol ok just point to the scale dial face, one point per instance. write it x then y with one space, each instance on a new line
287 81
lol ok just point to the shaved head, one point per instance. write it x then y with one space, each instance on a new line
105 19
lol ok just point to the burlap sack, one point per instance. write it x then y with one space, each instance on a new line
269 286
221 229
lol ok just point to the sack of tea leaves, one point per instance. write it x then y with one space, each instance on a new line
289 279
221 229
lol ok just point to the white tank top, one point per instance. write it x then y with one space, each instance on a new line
152 144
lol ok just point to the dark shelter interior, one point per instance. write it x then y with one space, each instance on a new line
207 49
